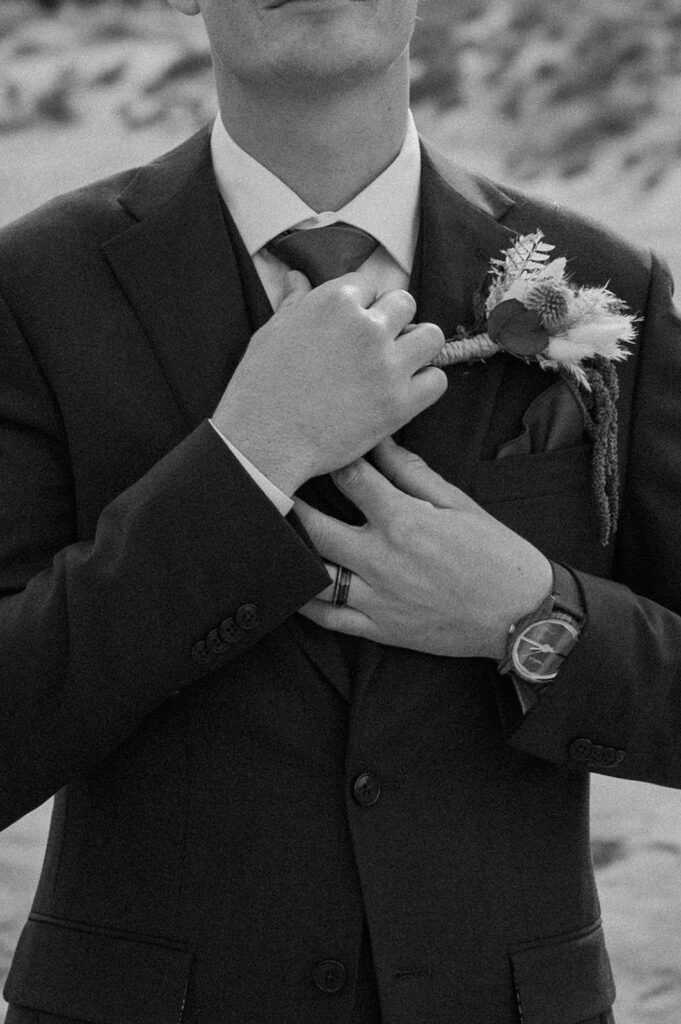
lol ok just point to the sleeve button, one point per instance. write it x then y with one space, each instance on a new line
230 632
247 616
581 750
215 642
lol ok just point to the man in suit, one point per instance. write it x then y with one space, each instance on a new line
280 800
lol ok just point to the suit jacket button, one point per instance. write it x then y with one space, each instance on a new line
247 616
581 750
230 632
366 789
330 976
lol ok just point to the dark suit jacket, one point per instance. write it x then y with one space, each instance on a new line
207 853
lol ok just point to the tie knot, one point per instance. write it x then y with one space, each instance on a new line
323 254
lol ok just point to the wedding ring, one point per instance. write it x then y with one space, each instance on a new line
341 586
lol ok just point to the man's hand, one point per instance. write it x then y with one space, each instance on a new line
334 371
432 571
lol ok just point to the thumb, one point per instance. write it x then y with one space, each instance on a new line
296 287
408 472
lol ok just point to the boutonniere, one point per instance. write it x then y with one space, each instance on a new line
535 313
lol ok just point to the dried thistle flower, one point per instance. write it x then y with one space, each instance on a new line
551 300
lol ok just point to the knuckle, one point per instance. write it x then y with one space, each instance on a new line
376 320
351 473
338 296
406 301
347 289
400 527
412 461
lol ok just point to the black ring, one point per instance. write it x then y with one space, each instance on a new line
341 586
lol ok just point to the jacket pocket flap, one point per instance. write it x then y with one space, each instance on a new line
101 976
564 980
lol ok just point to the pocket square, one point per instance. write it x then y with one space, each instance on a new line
554 420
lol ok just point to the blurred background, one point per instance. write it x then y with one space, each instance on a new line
574 100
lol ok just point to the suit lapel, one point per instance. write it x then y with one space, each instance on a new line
177 268
460 234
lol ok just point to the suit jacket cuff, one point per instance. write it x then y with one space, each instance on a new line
614 706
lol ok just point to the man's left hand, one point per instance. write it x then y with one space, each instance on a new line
432 571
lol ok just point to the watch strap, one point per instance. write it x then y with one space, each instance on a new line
566 594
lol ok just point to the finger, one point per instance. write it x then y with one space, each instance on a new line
408 472
296 287
356 593
341 620
419 344
427 386
396 308
335 541
369 490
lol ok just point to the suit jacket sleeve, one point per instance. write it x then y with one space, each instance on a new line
615 706
94 635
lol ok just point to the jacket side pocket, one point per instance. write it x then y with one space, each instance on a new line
565 980
98 975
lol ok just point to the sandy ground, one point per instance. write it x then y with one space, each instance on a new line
636 828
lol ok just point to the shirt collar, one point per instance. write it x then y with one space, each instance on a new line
263 206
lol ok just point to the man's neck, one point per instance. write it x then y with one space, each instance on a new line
326 149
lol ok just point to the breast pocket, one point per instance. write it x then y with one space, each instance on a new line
534 477
564 980
548 499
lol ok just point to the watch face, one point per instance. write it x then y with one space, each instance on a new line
539 650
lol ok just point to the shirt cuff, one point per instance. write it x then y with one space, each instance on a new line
280 500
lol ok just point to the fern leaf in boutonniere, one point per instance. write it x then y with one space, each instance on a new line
535 313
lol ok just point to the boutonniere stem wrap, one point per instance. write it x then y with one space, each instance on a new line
535 313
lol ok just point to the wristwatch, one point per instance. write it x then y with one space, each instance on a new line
538 644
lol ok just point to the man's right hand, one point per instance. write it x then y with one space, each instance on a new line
334 371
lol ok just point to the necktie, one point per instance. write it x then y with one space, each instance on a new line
324 253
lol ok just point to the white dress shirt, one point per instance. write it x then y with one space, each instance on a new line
263 206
